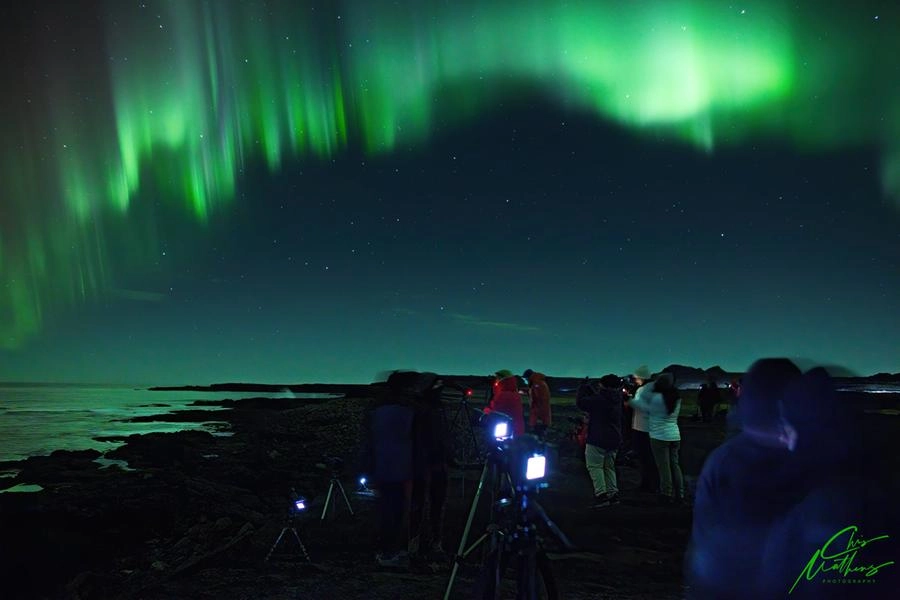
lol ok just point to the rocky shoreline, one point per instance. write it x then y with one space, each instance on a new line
195 515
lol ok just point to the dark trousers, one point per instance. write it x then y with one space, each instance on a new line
393 509
435 484
706 410
640 441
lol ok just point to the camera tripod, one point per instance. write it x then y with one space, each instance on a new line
461 426
512 540
489 471
331 498
289 527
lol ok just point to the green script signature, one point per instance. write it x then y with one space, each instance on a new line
833 556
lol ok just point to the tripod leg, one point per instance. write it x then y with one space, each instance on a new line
465 534
327 500
302 547
346 499
475 450
277 541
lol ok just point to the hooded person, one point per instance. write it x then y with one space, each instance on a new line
603 403
539 415
506 400
387 457
838 490
746 486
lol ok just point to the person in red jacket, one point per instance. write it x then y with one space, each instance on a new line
539 392
506 400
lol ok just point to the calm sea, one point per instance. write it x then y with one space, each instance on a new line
37 419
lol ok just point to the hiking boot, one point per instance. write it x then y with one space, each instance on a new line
614 498
600 501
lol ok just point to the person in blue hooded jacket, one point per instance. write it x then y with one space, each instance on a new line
387 457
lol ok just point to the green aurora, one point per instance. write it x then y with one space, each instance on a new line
191 93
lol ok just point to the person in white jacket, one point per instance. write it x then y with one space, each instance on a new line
640 440
662 403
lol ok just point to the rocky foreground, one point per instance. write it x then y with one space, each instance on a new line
198 513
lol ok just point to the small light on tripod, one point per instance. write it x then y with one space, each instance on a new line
536 467
300 503
501 430
362 481
468 391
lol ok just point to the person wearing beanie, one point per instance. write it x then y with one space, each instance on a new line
640 436
539 418
662 404
744 489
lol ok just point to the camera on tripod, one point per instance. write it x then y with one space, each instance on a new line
298 502
523 458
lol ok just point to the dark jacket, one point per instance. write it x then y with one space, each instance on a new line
604 408
709 395
387 433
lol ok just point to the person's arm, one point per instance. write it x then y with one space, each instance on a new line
642 397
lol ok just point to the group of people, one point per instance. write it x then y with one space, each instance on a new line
504 397
406 451
656 438
791 498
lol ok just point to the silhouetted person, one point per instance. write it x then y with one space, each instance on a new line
387 457
432 454
837 487
539 414
708 398
603 403
745 487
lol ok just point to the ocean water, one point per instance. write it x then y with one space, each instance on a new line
38 419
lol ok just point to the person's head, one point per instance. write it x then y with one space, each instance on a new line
763 391
665 385
611 381
665 381
527 375
502 374
508 384
641 374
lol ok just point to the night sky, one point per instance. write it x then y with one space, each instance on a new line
193 192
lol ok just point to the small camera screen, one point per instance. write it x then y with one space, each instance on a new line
537 466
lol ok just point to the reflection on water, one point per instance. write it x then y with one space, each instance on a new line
23 488
38 419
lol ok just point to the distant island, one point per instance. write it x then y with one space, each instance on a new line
682 373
